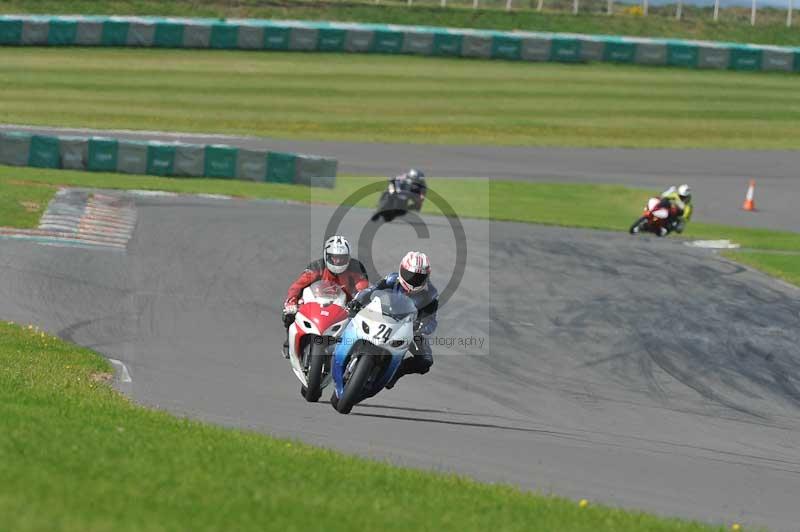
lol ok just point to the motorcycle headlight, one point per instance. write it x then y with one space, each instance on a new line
365 327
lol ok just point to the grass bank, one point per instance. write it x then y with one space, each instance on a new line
76 456
398 98
697 23
562 204
21 204
784 265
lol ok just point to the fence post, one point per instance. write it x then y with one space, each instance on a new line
716 10
753 14
789 14
444 3
610 9
540 6
474 4
575 7
508 5
679 10
410 1
644 7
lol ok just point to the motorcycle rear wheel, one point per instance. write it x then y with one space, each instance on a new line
355 384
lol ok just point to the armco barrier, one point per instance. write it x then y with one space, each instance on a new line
250 34
164 159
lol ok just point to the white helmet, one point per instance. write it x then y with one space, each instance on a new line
336 253
685 192
415 268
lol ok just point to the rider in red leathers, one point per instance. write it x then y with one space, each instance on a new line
335 266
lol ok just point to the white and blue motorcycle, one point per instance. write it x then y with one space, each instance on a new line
371 348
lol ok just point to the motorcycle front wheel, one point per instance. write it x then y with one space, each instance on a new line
355 384
638 226
314 376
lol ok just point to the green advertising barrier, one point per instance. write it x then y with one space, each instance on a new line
504 47
276 38
331 40
115 33
446 44
160 159
220 161
387 42
224 36
62 32
682 54
168 35
255 34
10 31
19 148
44 152
565 50
281 167
617 51
744 58
102 155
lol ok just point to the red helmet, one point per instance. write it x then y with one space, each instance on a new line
415 268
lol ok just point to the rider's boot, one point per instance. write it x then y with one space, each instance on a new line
397 374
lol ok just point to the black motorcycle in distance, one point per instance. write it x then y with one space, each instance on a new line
397 201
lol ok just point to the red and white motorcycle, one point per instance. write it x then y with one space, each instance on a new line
320 320
657 218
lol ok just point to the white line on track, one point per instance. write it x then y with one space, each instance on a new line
125 376
152 193
214 196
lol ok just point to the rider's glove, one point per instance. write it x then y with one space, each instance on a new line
353 307
288 314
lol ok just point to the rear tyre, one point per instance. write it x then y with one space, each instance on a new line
314 376
354 386
638 226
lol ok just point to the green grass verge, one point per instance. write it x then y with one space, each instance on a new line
540 203
398 98
76 456
697 23
21 205
785 266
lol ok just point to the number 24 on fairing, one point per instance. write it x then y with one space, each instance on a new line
384 333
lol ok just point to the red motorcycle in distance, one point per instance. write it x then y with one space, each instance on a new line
657 218
320 320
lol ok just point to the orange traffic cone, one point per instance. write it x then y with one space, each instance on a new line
749 202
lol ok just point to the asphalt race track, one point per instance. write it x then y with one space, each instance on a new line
719 177
633 371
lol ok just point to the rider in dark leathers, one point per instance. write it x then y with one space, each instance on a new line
414 183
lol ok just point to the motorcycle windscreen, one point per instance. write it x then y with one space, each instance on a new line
325 290
393 304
